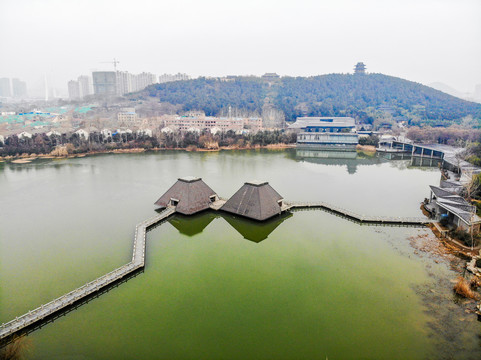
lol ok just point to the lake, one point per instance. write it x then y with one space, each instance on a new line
301 286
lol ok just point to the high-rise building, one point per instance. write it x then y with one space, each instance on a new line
5 90
141 81
19 88
127 82
105 82
74 89
169 77
124 82
85 84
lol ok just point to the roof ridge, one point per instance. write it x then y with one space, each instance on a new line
258 192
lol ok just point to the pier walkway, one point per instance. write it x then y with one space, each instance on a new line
29 319
388 220
54 306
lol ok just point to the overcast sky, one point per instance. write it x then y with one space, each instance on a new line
421 40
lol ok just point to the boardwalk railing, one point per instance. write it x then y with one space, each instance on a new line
46 310
359 217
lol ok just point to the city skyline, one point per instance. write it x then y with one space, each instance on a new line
424 41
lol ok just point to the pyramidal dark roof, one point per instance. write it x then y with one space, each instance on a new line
256 200
189 195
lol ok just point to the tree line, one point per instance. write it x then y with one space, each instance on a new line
75 144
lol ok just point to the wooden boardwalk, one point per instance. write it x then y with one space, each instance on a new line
48 310
57 305
380 220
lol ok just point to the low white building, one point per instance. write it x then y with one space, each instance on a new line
215 130
193 130
82 133
144 132
167 130
24 135
106 133
53 133
124 131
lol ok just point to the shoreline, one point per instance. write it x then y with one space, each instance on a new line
27 158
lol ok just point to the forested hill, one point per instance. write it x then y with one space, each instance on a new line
325 95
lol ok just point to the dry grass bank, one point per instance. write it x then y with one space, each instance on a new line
463 288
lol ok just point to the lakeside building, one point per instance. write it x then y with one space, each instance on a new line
202 122
445 204
336 133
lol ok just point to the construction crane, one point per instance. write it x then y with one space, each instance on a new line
115 62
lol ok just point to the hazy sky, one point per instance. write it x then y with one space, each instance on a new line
420 40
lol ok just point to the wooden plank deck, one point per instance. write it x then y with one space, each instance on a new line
216 205
46 310
394 220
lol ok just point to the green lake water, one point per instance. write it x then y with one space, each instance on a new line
307 285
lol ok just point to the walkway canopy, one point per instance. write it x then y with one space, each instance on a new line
256 200
188 195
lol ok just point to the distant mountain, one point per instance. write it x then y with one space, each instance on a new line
446 89
325 95
451 91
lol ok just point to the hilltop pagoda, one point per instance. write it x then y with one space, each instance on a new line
360 68
255 200
188 195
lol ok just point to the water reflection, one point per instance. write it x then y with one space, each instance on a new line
191 225
417 161
40 163
350 159
255 231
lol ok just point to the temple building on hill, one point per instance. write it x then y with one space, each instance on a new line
188 195
326 133
255 200
360 68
